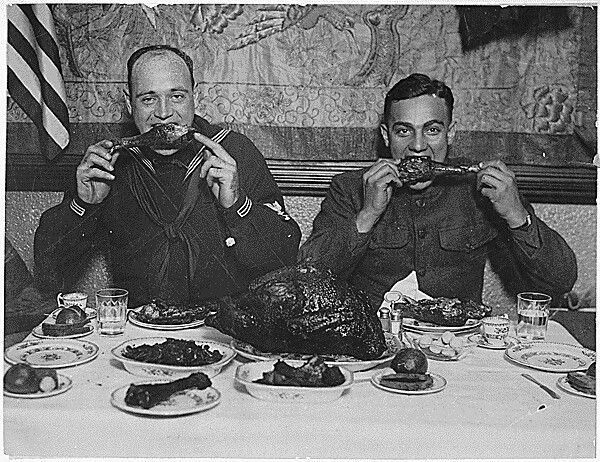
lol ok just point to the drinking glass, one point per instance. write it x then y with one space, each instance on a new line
533 310
111 308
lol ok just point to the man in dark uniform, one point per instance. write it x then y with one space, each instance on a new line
182 225
375 231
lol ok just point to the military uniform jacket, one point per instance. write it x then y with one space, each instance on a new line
149 257
443 233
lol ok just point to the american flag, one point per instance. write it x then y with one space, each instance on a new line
35 80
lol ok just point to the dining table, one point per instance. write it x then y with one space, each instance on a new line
486 410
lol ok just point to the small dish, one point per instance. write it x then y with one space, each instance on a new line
184 402
90 312
439 383
481 342
39 333
246 374
245 350
52 353
435 348
564 384
64 384
148 369
135 319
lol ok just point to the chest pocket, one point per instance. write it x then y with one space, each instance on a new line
389 237
471 238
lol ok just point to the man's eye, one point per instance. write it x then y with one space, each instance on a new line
402 131
434 130
178 97
148 100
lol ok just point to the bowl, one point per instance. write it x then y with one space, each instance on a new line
443 347
148 369
247 373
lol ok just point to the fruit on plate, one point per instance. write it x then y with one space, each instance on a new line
70 315
584 381
410 361
24 379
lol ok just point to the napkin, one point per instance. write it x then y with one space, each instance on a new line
408 286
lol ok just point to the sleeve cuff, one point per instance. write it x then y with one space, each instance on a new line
239 210
528 234
80 207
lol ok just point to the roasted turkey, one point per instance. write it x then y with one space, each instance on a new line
302 309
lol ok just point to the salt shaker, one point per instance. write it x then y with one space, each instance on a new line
384 317
396 323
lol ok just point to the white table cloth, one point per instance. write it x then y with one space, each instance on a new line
487 410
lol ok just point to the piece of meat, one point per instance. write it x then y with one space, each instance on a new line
302 309
413 169
443 311
149 395
162 136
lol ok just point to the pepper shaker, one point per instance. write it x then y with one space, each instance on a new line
384 317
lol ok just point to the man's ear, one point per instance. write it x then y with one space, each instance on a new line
451 132
384 134
127 103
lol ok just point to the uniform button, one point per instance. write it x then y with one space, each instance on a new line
421 272
422 233
420 203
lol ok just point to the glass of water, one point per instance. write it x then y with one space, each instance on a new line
533 310
111 309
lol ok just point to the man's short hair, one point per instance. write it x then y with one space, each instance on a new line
417 85
158 48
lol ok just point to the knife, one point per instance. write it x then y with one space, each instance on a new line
542 386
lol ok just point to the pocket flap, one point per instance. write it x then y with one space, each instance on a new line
467 238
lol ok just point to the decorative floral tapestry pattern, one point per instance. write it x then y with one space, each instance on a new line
321 65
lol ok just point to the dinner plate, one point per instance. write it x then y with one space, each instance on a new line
184 402
245 350
551 357
422 326
439 383
563 384
39 332
64 384
134 319
150 369
480 341
52 353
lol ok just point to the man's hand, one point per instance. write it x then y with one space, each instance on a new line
377 191
220 171
497 182
93 173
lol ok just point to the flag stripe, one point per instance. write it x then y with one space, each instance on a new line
34 74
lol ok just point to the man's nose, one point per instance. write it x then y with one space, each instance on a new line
164 109
418 144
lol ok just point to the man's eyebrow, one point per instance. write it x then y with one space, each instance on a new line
426 124
152 92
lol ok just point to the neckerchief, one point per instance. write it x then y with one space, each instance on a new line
142 181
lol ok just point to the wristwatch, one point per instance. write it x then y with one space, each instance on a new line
525 225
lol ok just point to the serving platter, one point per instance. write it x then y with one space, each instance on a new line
135 320
245 350
439 383
414 325
150 369
480 341
64 384
551 357
52 353
184 402
246 374
39 333
564 385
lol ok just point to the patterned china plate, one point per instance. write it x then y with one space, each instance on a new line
134 319
551 357
64 384
39 332
422 326
52 353
439 383
563 384
247 351
184 402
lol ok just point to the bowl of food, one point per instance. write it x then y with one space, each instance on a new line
171 357
444 347
294 381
